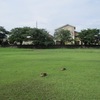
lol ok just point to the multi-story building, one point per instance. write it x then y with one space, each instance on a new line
69 28
74 34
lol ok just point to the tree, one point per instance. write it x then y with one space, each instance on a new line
41 37
3 30
62 36
19 34
89 36
3 36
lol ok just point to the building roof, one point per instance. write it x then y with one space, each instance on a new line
65 26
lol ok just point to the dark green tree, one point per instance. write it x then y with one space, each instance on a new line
19 34
3 36
89 36
41 37
62 36
3 30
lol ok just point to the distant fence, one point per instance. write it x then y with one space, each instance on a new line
52 46
58 46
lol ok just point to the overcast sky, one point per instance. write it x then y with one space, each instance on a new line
50 14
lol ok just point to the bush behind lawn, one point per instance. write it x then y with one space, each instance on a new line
20 71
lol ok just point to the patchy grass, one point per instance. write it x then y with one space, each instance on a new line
20 71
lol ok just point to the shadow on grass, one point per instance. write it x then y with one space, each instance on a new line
29 90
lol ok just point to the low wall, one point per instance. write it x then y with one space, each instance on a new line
58 46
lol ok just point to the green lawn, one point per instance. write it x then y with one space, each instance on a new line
20 71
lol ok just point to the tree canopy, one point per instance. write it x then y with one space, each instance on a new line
89 36
41 37
3 35
38 36
19 34
3 30
63 36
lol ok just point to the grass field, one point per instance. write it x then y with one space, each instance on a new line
20 71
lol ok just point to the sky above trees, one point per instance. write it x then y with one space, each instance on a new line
50 14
